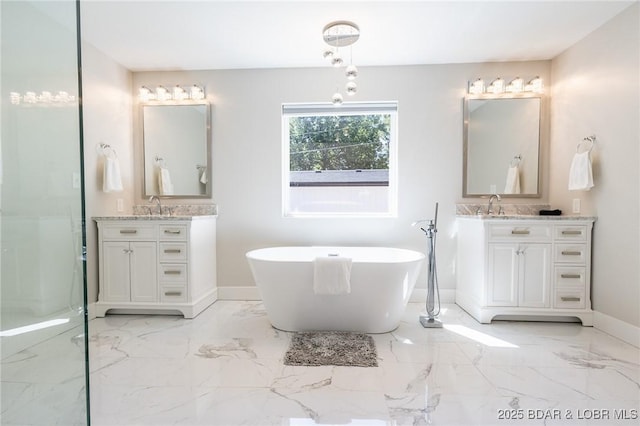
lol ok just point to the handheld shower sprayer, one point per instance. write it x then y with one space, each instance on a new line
433 292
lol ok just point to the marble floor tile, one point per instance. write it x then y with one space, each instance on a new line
225 367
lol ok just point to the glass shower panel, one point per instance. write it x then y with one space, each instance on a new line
43 346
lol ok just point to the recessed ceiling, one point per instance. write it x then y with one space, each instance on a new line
218 34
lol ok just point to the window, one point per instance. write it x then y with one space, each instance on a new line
339 161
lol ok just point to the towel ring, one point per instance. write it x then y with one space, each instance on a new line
159 161
106 150
516 160
586 144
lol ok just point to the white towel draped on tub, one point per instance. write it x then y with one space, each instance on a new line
164 182
512 186
111 178
580 175
332 275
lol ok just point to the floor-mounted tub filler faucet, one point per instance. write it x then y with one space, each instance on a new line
433 292
493 197
155 197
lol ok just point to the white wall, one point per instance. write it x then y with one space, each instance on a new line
246 131
596 92
107 118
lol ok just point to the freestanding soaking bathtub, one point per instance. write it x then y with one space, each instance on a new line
381 282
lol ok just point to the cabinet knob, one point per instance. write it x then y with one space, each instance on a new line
173 251
571 253
571 232
172 293
569 299
128 231
520 232
172 272
172 231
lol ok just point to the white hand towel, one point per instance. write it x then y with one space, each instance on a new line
164 182
332 275
580 175
111 178
512 186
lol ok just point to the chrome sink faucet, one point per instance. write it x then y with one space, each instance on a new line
493 197
155 197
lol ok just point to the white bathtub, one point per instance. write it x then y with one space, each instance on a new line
381 282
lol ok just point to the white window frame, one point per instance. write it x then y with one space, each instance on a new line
350 108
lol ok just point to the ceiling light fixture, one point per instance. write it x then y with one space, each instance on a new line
339 34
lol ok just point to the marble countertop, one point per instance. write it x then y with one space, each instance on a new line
523 217
143 217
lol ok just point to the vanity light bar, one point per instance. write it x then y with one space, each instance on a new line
177 93
45 97
498 86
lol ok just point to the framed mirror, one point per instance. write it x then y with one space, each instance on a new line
177 149
501 147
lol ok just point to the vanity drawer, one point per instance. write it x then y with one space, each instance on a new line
570 253
524 232
129 231
173 232
570 298
173 293
570 277
173 252
173 272
571 232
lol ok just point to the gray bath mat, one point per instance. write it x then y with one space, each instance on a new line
332 348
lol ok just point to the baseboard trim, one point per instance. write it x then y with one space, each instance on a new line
419 295
239 293
622 330
91 311
447 295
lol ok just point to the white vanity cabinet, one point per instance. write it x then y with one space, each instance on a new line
524 267
151 264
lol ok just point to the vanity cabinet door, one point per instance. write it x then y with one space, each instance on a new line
502 288
144 277
116 283
534 275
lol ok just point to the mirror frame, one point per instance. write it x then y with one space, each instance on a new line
208 192
465 146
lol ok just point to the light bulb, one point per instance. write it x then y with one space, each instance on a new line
352 88
477 87
179 94
336 99
62 96
516 85
496 86
162 93
197 93
15 98
327 54
535 85
351 72
144 94
336 60
30 97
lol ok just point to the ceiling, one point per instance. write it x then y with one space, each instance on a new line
222 34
